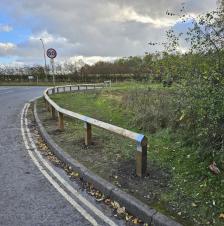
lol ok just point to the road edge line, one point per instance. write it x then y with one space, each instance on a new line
84 201
49 178
133 205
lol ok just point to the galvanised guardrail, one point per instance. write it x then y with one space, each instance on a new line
141 140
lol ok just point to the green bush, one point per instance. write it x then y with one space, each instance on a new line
201 114
153 109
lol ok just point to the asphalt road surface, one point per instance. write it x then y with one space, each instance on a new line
26 196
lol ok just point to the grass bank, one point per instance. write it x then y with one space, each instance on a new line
178 183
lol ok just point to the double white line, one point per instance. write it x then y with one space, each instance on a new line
40 162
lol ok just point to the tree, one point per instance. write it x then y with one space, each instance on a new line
201 97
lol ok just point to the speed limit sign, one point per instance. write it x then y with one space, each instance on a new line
51 53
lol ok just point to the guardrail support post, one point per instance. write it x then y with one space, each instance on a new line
141 157
88 133
47 105
45 101
53 91
32 107
70 88
61 121
53 112
64 89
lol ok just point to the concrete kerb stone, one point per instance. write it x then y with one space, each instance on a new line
63 156
133 205
99 183
161 220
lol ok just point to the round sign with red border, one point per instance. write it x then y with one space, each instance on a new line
51 53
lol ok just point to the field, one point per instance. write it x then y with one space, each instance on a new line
178 182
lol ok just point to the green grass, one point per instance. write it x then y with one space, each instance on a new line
194 195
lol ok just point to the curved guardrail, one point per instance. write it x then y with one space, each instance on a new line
141 140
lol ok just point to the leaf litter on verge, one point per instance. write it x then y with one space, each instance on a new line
99 197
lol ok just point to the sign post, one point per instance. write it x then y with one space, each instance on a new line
51 53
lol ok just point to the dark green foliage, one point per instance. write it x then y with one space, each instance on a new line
201 98
153 109
201 115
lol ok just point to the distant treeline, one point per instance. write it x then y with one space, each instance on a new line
152 67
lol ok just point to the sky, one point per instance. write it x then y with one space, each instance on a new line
90 30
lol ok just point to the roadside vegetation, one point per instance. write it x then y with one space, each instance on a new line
178 182
176 99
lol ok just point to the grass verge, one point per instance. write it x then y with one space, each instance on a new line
177 184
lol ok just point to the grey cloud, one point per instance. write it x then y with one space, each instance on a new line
89 27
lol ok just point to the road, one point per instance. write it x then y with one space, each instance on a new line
26 196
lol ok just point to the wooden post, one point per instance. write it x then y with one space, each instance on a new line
57 90
53 91
141 158
61 121
88 133
47 105
53 112
70 88
45 101
78 87
64 89
86 87
32 108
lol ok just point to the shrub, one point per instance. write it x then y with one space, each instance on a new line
153 109
201 115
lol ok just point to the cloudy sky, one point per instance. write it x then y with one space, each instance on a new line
86 29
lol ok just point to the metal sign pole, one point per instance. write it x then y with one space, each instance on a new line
53 71
51 53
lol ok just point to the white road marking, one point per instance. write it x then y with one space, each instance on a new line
65 183
6 92
52 181
4 88
32 100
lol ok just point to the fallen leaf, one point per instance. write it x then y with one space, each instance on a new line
128 217
107 201
100 199
221 216
213 168
115 205
121 210
135 221
74 174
